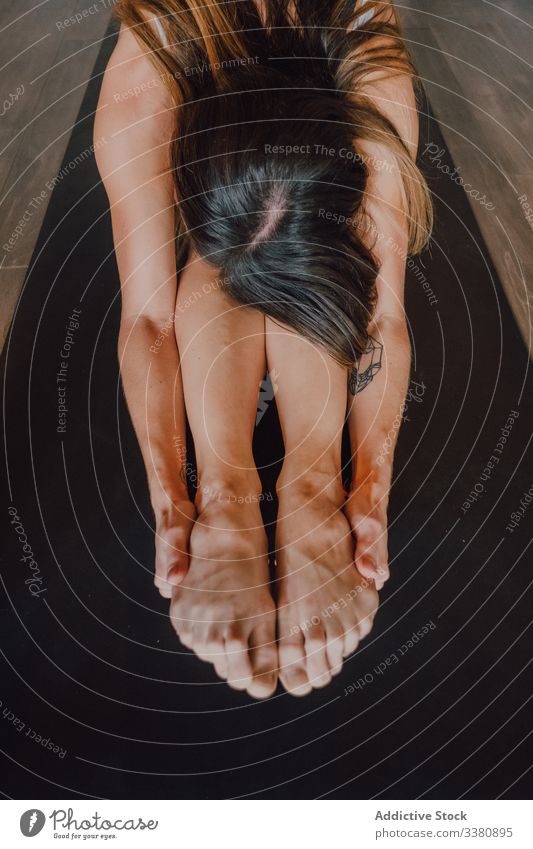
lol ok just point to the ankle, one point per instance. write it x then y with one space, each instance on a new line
227 488
310 485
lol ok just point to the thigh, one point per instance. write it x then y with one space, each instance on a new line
222 356
311 390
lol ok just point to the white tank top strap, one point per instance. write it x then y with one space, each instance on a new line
363 18
160 30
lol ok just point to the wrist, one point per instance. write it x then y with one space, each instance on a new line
167 490
375 475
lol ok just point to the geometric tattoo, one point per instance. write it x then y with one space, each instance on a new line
368 364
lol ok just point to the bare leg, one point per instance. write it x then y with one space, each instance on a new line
223 609
324 605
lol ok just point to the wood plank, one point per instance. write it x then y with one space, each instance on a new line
35 129
474 59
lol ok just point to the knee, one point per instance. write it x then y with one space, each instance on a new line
148 329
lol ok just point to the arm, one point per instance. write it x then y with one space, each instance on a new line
134 167
375 413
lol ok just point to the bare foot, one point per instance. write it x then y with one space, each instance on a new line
223 609
174 523
325 607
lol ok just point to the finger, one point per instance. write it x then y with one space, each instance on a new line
315 652
240 673
371 549
264 656
366 564
172 557
383 572
178 571
165 589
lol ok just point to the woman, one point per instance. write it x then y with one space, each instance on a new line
260 168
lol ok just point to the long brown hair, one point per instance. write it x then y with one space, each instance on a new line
302 68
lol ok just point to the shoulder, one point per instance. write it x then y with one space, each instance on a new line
135 113
386 74
132 80
388 86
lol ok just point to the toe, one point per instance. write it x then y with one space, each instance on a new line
334 645
315 651
264 658
199 640
296 682
351 639
240 673
182 626
185 637
365 627
292 665
215 653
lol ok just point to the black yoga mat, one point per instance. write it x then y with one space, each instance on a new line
97 696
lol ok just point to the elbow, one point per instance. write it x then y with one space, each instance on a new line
145 332
389 325
392 332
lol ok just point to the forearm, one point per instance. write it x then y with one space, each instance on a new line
149 364
376 412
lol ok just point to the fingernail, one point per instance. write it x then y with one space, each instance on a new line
175 574
371 562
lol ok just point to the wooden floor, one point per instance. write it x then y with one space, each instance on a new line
475 57
46 63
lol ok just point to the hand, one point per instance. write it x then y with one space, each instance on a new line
366 510
174 523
